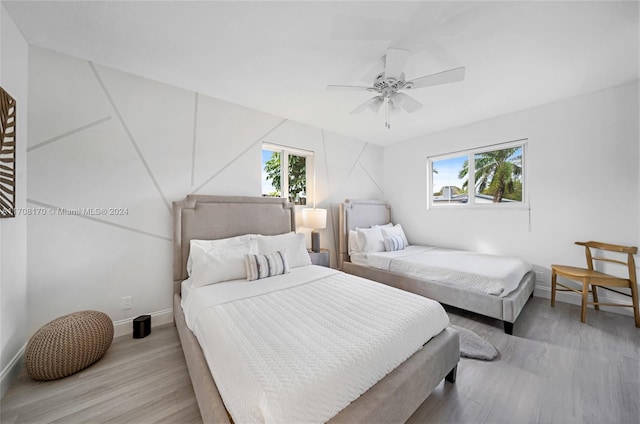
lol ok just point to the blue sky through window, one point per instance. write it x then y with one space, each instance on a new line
447 173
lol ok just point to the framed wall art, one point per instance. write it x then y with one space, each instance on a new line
7 155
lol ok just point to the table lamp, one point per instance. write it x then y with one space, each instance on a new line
316 219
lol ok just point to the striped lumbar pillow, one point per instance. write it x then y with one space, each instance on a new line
262 266
393 243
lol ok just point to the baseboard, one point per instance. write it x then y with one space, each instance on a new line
575 299
11 371
125 326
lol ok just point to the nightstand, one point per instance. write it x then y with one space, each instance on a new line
320 258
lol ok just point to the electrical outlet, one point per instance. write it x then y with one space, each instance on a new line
125 303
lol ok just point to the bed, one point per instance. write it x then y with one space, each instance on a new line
367 213
393 398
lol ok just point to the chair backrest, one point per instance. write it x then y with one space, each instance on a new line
629 250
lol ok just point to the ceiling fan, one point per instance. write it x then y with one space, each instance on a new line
389 82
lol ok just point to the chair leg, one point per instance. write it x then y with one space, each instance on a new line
634 299
596 305
585 298
553 287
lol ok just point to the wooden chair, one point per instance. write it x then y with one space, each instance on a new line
592 279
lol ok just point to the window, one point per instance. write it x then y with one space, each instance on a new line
496 175
286 170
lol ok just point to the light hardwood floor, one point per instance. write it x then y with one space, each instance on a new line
137 381
553 370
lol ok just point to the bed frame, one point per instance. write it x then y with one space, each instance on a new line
364 213
392 399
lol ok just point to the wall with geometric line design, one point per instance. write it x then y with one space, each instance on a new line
100 138
14 56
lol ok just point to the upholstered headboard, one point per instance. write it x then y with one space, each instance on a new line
359 214
215 217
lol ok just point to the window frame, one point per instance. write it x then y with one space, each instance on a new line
470 154
285 151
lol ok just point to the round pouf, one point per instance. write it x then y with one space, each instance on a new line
68 344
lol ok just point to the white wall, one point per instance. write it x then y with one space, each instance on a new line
583 174
13 231
103 138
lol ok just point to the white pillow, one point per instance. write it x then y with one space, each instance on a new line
220 263
353 246
294 244
370 239
396 230
207 245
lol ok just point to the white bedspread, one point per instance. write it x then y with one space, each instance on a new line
484 273
299 347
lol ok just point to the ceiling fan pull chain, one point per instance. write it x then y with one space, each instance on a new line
386 110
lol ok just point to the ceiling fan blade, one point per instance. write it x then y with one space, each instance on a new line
406 102
373 71
395 60
444 77
375 106
368 104
349 88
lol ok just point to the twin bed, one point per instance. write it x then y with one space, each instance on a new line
494 286
308 345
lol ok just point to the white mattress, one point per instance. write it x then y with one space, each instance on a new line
484 273
299 347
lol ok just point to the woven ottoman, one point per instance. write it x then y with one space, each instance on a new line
68 344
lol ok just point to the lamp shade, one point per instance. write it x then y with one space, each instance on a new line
314 218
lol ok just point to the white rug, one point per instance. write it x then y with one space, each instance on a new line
474 346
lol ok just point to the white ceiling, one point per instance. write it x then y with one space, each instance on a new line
277 57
